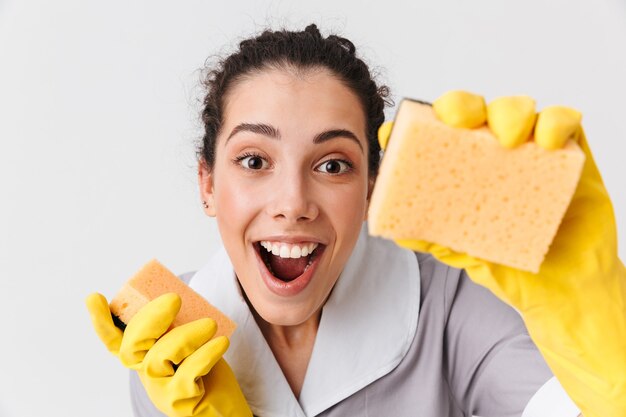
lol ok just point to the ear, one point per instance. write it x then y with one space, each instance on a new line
205 181
370 188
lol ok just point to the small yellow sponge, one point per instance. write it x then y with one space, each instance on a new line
154 280
461 189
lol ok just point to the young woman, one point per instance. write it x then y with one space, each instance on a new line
332 322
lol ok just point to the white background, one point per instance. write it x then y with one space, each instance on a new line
99 114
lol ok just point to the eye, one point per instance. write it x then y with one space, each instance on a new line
252 161
335 166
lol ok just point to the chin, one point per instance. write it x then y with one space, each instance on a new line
281 315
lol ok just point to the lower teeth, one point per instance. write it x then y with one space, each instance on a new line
269 267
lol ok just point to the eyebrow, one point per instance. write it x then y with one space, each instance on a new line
273 133
337 133
258 128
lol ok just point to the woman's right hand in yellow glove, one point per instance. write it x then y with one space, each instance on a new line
182 370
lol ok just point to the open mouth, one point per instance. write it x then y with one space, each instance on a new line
287 262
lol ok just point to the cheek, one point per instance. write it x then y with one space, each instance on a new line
233 195
346 209
235 206
230 201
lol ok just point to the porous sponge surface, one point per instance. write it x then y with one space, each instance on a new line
460 188
153 280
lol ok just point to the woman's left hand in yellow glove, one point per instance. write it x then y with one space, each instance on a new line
182 370
575 307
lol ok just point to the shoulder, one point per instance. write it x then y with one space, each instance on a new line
450 297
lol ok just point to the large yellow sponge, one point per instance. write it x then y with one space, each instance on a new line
460 188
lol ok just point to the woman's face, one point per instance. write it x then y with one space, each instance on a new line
290 177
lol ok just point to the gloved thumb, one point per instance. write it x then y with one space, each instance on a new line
102 322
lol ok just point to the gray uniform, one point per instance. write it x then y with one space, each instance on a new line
465 353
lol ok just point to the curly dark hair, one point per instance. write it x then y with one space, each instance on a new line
300 50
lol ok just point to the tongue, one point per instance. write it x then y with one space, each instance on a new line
287 269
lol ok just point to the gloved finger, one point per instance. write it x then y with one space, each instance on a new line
224 390
201 362
461 109
512 119
384 131
556 125
176 345
189 380
150 323
102 322
442 253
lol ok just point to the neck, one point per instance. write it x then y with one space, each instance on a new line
292 346
290 336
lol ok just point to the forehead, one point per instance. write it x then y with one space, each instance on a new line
304 100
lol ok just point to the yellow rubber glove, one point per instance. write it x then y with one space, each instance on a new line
182 370
575 307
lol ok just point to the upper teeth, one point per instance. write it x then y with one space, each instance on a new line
289 250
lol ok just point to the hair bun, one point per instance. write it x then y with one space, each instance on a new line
313 30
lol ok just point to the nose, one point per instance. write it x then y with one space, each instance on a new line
293 200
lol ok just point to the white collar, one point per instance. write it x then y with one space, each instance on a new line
367 326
